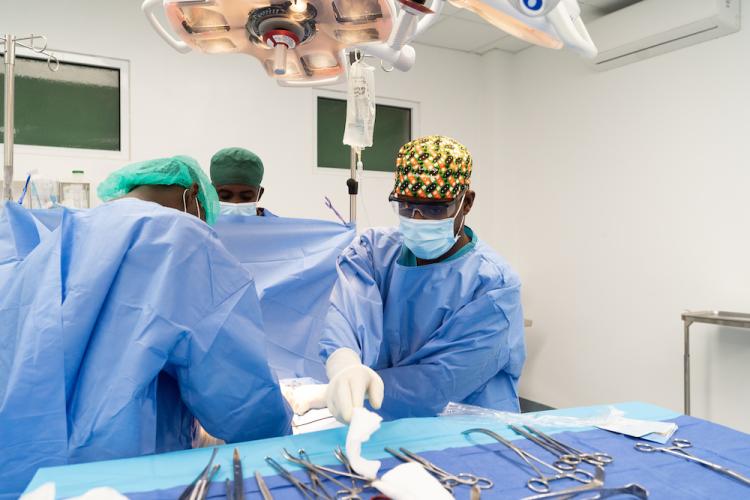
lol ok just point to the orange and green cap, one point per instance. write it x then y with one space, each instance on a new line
434 168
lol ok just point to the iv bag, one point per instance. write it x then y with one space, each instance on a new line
360 106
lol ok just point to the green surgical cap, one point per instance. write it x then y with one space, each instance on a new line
236 166
176 171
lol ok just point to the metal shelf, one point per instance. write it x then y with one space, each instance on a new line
722 318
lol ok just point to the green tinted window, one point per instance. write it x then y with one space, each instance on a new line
392 130
75 107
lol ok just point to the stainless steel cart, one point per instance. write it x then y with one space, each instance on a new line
723 318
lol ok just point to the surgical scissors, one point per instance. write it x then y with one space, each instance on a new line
570 455
448 480
678 449
540 483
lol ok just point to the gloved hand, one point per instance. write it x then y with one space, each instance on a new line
306 397
350 382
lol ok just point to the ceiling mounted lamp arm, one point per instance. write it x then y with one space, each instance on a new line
566 19
413 18
427 21
149 8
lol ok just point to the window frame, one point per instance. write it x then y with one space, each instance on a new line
413 106
123 67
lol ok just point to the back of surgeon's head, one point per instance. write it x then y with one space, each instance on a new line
177 182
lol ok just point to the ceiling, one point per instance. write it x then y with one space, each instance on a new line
462 30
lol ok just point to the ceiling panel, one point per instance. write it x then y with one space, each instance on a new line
459 34
510 44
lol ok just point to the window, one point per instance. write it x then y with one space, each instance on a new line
82 106
393 129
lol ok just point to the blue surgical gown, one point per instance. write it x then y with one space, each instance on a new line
118 328
450 331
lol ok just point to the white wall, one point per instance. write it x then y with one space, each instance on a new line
196 104
623 200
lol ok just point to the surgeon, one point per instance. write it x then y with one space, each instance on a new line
237 175
127 322
425 313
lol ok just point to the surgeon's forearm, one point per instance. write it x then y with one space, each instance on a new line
413 391
423 390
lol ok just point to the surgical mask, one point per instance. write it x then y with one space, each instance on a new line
246 209
184 203
429 239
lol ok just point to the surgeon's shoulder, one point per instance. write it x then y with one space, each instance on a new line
493 269
154 221
380 243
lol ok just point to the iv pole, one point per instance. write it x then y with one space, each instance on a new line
10 42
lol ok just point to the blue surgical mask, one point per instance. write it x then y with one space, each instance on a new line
246 209
429 239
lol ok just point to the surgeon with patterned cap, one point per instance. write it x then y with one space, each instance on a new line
425 313
237 175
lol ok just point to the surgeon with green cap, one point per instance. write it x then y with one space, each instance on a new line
138 323
237 175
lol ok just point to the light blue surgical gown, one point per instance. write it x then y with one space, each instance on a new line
450 331
118 328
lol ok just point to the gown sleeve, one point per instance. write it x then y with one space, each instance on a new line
355 316
468 350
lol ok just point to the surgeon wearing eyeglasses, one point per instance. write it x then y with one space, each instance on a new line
237 175
425 313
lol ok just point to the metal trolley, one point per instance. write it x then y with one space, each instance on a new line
722 318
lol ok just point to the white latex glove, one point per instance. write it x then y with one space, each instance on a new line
306 397
350 383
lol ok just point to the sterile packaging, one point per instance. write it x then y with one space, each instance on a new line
613 420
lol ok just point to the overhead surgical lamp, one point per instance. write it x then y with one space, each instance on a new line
304 42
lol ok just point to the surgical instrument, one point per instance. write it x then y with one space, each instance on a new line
341 457
448 480
201 489
239 483
325 469
187 493
228 489
634 490
540 483
315 481
596 483
263 487
568 464
306 491
346 492
678 449
571 455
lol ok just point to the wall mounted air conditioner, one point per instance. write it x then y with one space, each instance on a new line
652 27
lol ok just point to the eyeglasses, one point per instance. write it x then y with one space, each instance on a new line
433 210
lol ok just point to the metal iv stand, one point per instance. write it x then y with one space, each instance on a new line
9 43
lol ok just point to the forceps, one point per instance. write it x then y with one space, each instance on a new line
540 483
306 491
570 455
678 449
448 480
345 493
315 481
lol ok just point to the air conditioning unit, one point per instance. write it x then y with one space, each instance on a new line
652 27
